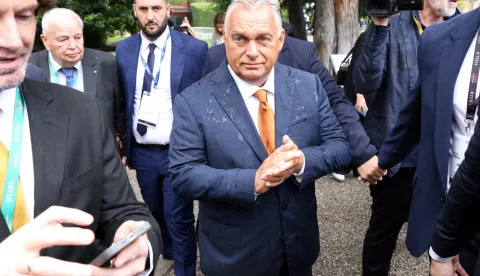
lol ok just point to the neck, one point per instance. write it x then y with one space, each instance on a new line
429 16
63 64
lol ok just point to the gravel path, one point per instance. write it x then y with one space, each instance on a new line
343 212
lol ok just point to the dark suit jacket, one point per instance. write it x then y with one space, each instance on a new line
427 117
188 58
458 222
100 79
35 73
215 152
76 165
302 55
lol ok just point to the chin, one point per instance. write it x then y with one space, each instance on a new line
14 78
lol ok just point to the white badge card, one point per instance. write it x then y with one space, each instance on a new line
460 145
149 108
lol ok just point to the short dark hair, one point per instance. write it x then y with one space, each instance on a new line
219 18
44 5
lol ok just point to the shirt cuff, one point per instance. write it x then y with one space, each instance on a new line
150 260
438 258
299 176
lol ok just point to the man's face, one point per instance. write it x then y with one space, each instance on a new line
152 16
65 41
17 33
252 43
444 8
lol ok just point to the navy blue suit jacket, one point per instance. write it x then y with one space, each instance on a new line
188 59
215 152
302 55
35 73
427 117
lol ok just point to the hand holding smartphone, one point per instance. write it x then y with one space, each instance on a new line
111 252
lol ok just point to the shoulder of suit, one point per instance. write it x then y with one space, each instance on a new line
292 73
38 55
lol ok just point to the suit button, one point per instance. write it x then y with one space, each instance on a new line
442 199
284 207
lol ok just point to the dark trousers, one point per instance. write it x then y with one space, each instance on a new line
390 208
173 214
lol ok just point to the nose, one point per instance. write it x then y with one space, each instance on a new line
10 37
71 43
150 14
252 51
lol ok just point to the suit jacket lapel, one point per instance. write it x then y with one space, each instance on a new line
454 50
43 63
131 55
283 103
48 132
178 62
89 65
230 99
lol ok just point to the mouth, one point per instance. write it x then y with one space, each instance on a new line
455 2
10 63
252 65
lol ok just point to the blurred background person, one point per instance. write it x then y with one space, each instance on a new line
186 28
218 23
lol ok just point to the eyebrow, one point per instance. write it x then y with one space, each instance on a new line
32 7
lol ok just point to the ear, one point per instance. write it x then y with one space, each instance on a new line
169 7
134 10
45 41
281 40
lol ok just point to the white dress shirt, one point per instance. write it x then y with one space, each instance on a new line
247 90
460 95
61 76
7 105
160 134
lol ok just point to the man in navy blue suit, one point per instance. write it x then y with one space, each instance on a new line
440 112
155 66
230 150
302 55
35 73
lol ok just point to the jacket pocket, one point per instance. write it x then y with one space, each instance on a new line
82 180
220 230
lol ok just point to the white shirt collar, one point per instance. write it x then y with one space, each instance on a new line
159 42
248 89
57 66
7 101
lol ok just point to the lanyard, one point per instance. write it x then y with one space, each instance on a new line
14 159
150 71
472 89
56 78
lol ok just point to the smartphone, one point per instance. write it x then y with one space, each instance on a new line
118 246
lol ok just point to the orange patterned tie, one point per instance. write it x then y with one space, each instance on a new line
266 121
20 215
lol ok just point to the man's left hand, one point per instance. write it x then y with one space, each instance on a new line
135 255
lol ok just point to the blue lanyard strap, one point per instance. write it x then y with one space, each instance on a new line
56 78
150 70
14 160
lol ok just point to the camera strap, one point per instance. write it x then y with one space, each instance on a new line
472 90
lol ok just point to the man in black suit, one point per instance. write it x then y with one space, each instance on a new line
58 169
66 62
302 55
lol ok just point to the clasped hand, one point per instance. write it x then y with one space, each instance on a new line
371 172
281 164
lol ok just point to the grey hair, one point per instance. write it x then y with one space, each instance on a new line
254 4
59 16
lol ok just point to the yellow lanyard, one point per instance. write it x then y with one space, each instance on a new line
419 25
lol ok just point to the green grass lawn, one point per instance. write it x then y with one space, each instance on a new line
114 39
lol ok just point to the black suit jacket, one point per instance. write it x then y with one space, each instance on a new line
35 73
76 165
302 55
100 79
459 221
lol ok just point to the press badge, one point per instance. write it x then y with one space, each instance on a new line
460 145
150 108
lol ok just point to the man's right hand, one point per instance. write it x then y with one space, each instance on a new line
380 21
450 268
20 252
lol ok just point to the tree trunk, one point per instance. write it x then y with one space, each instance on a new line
324 30
296 17
336 27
